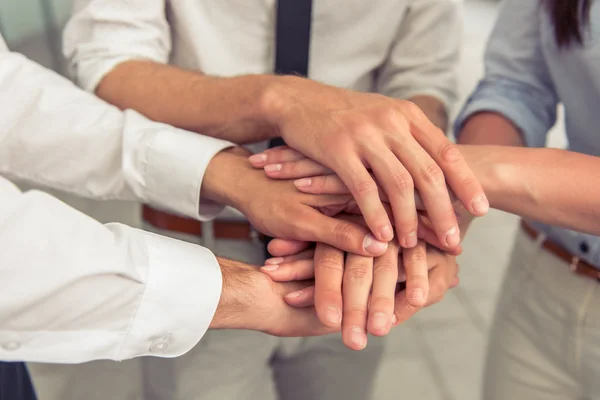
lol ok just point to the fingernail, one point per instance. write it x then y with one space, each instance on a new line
258 159
357 335
274 260
387 233
452 237
480 205
417 294
304 182
333 315
270 268
411 240
295 294
379 321
273 167
394 319
373 246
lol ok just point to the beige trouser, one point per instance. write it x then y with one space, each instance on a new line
225 365
545 339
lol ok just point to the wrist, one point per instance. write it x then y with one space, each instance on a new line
491 170
232 309
276 99
226 172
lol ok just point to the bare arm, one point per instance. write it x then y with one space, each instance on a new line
557 187
219 107
553 186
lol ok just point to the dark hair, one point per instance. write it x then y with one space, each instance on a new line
569 18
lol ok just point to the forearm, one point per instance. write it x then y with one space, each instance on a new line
553 186
236 109
434 109
489 128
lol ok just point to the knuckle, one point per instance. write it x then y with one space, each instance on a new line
387 115
365 188
468 182
356 309
319 183
410 107
416 257
450 153
329 264
384 267
403 182
343 232
382 302
437 290
364 129
358 272
434 175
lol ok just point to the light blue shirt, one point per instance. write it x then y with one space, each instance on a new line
527 75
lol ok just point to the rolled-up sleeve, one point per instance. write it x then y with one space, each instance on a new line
517 83
104 33
424 57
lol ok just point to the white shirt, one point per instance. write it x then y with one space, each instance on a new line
72 289
399 48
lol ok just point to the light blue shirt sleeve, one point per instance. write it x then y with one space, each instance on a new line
517 83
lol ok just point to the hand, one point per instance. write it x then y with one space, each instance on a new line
278 209
252 300
349 132
317 179
382 306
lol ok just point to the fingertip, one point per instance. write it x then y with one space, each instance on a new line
417 297
273 169
303 184
411 240
379 324
331 316
386 234
258 160
480 206
269 268
373 246
356 338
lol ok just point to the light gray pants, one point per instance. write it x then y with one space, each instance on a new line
545 339
225 365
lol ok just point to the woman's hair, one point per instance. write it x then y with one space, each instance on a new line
569 18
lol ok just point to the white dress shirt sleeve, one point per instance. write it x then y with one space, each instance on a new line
425 56
73 289
102 34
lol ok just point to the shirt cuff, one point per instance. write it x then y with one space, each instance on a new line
529 113
182 293
176 163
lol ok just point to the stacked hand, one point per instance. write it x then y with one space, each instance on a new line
359 294
367 156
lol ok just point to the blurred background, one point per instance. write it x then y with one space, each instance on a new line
438 354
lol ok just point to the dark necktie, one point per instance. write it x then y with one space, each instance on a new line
292 41
292 44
